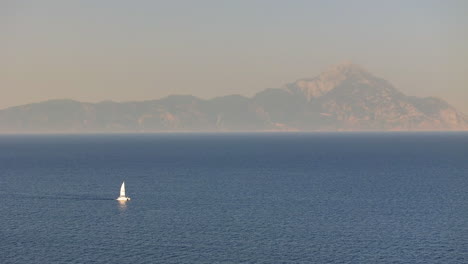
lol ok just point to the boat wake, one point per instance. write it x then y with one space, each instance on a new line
60 197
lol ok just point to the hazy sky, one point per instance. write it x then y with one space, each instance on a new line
136 50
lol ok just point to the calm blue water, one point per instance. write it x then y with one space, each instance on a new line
235 198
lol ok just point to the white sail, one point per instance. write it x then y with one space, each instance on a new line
122 190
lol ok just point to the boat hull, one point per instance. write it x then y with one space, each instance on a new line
123 199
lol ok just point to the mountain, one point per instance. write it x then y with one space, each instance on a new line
345 97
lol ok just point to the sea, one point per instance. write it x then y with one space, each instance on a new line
235 198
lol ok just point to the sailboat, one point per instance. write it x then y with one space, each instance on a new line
122 196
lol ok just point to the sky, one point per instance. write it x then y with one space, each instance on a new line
124 50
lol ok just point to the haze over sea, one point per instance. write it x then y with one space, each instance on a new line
235 198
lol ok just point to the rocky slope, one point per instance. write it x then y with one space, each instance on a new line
344 97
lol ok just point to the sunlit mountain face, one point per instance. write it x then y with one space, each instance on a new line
345 97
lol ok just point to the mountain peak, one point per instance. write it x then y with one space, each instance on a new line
329 79
346 69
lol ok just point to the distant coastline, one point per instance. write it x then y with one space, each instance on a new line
345 97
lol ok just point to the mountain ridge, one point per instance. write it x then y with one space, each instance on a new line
345 97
